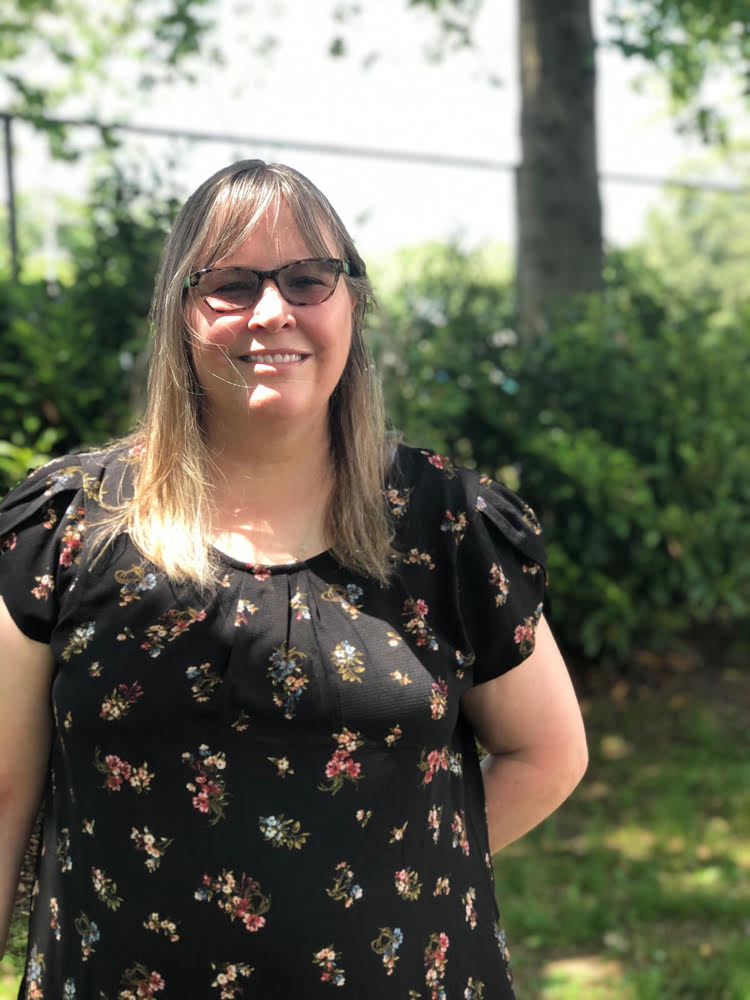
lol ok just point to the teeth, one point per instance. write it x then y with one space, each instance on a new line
272 359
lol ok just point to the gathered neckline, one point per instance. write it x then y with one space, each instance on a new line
273 569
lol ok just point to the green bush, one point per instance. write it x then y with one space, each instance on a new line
626 428
72 356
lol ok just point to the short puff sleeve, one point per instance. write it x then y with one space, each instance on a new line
42 522
501 571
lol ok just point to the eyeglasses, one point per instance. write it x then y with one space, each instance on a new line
302 283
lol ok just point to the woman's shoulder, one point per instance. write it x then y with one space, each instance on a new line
88 474
433 489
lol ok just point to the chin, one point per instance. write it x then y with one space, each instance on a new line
268 402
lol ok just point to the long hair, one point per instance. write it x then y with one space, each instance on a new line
169 515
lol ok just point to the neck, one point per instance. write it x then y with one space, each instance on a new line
271 492
269 457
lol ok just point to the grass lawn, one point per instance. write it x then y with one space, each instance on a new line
639 887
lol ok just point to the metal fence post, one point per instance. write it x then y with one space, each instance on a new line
11 197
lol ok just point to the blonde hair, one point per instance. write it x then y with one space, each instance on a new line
169 515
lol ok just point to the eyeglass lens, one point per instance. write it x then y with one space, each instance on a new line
302 283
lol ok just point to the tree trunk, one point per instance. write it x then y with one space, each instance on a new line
559 213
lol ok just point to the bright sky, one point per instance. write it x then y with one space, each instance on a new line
401 102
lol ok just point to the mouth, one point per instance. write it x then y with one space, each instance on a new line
275 358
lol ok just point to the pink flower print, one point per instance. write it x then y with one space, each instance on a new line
170 625
455 523
394 734
45 586
442 886
440 462
209 790
525 634
326 959
118 772
342 767
72 540
8 542
54 917
416 612
228 979
458 827
245 609
434 818
435 962
416 558
241 900
105 888
139 983
299 605
439 699
407 883
153 846
162 925
117 705
398 501
444 759
470 912
500 582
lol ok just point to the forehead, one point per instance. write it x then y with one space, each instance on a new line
267 237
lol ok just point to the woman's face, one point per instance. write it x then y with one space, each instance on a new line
273 361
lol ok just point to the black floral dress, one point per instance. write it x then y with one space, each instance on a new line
269 790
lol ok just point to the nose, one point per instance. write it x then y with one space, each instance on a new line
271 311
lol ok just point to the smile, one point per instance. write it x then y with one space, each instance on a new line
270 359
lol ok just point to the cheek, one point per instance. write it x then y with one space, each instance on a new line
206 336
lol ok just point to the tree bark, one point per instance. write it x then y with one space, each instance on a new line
559 212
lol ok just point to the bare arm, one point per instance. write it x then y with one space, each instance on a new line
25 732
529 722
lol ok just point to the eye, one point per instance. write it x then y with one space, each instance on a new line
227 289
302 280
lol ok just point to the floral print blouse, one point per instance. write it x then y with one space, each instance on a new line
269 790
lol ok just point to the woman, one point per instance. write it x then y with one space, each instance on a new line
271 639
